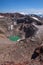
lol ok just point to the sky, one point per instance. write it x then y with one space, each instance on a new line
22 6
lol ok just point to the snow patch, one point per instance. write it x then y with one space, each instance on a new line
36 18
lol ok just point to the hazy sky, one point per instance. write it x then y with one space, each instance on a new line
23 6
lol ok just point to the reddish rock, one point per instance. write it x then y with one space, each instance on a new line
18 64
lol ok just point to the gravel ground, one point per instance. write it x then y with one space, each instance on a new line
18 53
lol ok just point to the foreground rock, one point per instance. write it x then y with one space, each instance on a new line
18 53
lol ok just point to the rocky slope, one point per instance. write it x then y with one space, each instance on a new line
17 53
